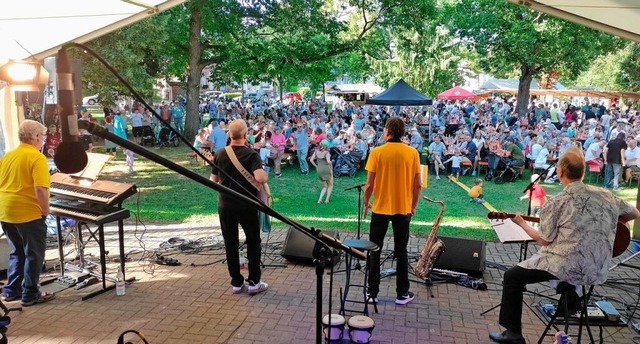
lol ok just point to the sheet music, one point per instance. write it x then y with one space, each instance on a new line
508 231
95 165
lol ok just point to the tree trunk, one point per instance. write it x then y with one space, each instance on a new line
192 120
524 90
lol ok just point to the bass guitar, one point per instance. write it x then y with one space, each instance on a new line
620 244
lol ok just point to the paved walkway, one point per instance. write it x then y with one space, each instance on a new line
191 304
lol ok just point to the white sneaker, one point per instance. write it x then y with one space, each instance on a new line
404 299
237 290
255 288
549 181
438 177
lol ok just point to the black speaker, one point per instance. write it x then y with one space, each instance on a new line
463 255
299 247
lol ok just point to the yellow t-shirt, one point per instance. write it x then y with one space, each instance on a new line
395 165
21 170
475 191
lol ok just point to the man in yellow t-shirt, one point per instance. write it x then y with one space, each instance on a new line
24 205
393 179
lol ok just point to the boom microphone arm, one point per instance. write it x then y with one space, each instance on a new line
326 240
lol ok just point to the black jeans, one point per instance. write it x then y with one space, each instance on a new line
515 280
378 229
230 218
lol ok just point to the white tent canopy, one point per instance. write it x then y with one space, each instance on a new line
39 27
617 17
35 29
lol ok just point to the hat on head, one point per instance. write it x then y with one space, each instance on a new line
325 143
512 138
534 177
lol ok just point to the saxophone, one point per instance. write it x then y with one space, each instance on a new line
432 248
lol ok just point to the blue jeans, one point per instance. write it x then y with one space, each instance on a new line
377 232
612 173
302 158
27 244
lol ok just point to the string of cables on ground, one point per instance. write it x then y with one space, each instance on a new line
211 245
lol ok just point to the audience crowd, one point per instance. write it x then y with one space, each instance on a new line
457 136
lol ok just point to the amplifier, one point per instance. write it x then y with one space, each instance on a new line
4 254
299 247
463 255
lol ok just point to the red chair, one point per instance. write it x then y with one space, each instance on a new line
594 168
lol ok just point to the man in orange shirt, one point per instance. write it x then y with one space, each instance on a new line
393 179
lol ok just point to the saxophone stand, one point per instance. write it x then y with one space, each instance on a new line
427 280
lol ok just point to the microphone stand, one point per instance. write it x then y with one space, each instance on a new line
524 246
327 242
359 188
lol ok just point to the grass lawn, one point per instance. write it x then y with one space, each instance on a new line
167 197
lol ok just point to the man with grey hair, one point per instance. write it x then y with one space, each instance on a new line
233 212
24 206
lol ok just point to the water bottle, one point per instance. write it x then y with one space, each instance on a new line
120 284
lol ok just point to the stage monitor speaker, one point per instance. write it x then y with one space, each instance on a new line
463 255
299 247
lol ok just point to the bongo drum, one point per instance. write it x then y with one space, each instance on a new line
360 329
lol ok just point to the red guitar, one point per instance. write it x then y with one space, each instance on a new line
620 244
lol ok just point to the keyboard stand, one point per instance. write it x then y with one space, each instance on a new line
98 236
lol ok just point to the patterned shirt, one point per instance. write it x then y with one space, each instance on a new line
580 223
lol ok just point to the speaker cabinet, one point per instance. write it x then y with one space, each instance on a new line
299 247
463 255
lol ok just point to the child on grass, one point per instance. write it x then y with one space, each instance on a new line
476 192
456 160
538 195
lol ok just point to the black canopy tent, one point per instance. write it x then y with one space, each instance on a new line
400 94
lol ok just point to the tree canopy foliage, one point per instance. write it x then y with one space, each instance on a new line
515 41
291 42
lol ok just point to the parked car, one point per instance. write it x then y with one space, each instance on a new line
90 100
213 94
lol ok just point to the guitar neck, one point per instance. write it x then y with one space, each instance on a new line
494 215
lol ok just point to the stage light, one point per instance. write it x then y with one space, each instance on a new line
24 76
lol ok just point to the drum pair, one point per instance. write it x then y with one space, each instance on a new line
360 328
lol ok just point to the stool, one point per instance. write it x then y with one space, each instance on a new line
482 163
367 247
564 289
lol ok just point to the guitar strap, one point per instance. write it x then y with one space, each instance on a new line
248 176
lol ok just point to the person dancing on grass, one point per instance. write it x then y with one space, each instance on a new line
323 168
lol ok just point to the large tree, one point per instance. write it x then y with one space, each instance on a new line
282 40
135 52
514 41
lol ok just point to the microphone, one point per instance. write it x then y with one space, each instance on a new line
70 156
354 187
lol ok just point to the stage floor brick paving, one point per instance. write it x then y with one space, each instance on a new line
194 304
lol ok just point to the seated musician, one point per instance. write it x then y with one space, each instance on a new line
576 240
